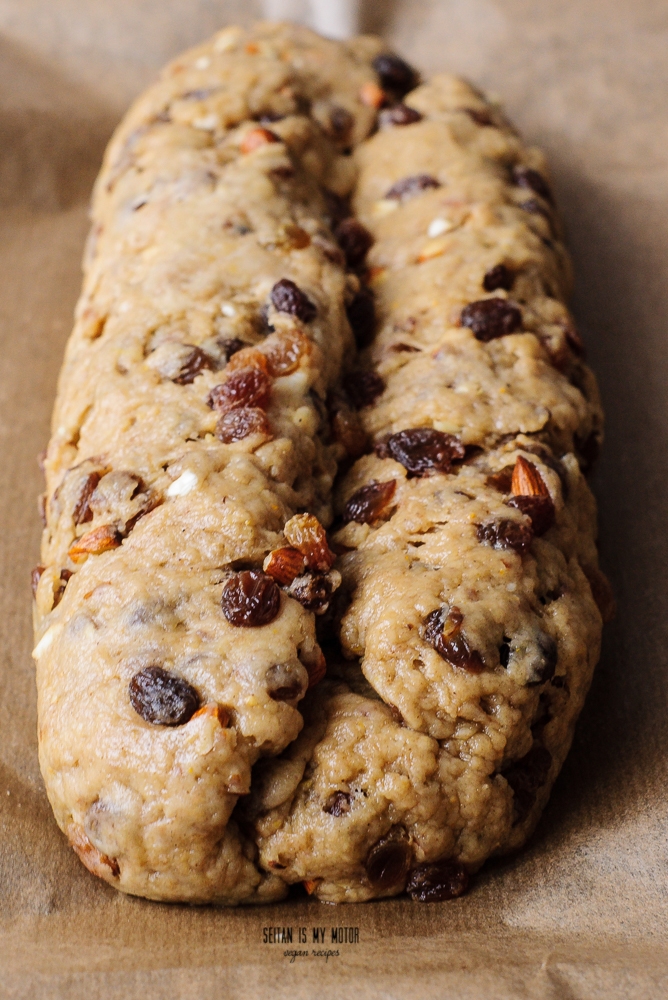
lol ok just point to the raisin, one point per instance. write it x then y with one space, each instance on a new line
364 388
193 364
163 698
408 187
340 123
347 430
422 449
506 534
337 208
285 350
499 276
361 315
491 318
269 117
539 509
443 632
250 599
434 883
313 591
244 387
355 240
480 117
400 347
247 357
399 114
230 346
35 577
501 480
284 564
370 502
338 804
601 591
525 177
288 297
395 74
305 533
387 864
286 681
241 423
65 576
82 512
535 207
587 449
525 777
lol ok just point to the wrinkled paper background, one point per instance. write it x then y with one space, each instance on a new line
581 912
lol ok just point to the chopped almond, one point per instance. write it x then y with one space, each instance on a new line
527 480
101 539
257 137
284 564
97 863
372 95
218 711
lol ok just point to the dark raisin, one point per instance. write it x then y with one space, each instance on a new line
504 653
245 387
491 318
535 207
399 114
288 297
525 177
340 123
163 698
370 502
269 117
501 480
361 315
545 661
506 534
601 591
437 882
82 512
444 634
387 864
35 577
338 804
395 74
286 681
408 187
239 424
65 575
480 117
230 346
313 591
499 276
588 449
423 449
355 240
364 388
338 208
400 347
194 363
250 599
539 509
525 777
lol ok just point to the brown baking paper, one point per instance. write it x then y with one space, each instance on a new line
581 912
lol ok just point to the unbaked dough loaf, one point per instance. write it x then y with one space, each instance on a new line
209 392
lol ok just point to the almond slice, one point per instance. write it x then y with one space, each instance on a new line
527 480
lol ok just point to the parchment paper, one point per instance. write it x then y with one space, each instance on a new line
581 912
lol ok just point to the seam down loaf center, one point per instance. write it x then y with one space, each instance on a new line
319 599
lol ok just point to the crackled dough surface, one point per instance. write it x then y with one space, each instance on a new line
193 225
